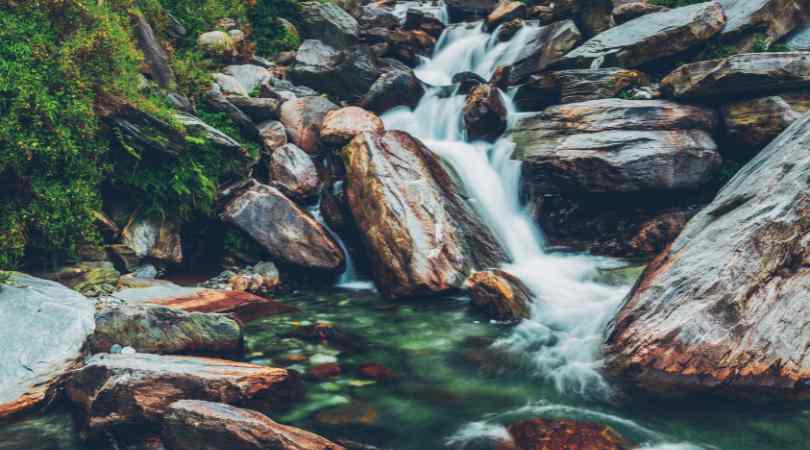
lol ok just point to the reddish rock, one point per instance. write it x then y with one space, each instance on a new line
324 371
377 372
500 294
293 172
506 11
406 45
303 118
563 434
342 125
354 414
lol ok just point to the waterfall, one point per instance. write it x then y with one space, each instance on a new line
562 338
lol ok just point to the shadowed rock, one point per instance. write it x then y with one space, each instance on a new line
459 10
342 125
484 113
755 123
46 326
393 88
329 23
421 234
154 55
725 308
202 425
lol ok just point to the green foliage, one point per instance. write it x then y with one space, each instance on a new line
199 16
193 73
269 35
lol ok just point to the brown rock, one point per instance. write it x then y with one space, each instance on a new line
324 371
500 294
506 11
748 20
154 237
202 425
293 172
342 125
580 85
755 123
303 118
377 372
405 45
354 414
125 389
485 113
625 10
563 434
422 236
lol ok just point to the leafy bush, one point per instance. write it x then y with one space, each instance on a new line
270 37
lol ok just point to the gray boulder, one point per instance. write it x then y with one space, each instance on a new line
45 327
748 20
250 76
329 23
724 309
548 44
293 172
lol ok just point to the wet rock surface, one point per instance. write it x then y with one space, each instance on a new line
293 172
720 310
747 20
342 125
42 340
499 294
393 88
484 113
421 235
195 425
547 46
567 434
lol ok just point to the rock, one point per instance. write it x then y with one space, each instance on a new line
262 278
562 434
752 74
250 76
546 46
202 425
316 64
303 119
272 134
327 333
748 20
242 305
626 10
154 238
88 278
500 294
617 146
407 45
154 55
229 86
288 233
393 88
505 12
376 371
293 172
755 123
618 225
430 23
158 329
484 114
146 132
46 326
132 389
800 40
229 147
324 371
342 125
257 109
723 309
595 16
580 85
374 15
467 81
459 10
421 235
217 43
649 37
329 23
355 414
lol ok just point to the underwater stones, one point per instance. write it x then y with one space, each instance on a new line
329 23
393 88
755 123
751 74
747 20
303 118
649 37
545 47
357 413
89 277
46 327
159 329
376 371
615 145
287 232
293 172
724 308
501 295
421 235
203 425
154 237
342 125
484 113
121 389
566 434
324 371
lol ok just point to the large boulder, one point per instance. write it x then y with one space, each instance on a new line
755 123
484 113
249 76
284 230
567 434
158 329
499 294
649 37
421 234
342 125
154 237
751 74
327 22
748 20
617 145
303 118
723 309
393 88
459 10
293 172
545 47
45 328
129 389
203 425
408 45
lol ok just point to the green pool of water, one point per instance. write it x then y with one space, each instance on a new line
449 388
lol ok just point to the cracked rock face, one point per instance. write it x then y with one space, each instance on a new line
725 308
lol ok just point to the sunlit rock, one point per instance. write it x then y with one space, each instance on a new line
499 294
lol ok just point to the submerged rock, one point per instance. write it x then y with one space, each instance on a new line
293 172
752 74
45 328
566 434
649 37
421 235
201 425
137 388
617 145
500 294
287 232
159 329
723 309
